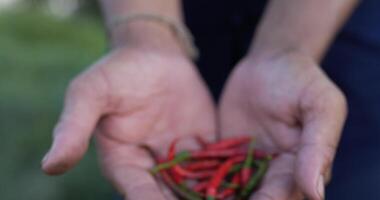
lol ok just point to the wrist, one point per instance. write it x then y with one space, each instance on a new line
263 54
145 34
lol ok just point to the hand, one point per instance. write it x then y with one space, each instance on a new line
293 109
131 97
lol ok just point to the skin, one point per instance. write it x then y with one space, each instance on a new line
283 103
279 94
146 91
133 96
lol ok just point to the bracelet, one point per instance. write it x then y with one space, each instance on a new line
181 31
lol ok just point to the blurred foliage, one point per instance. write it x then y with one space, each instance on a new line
86 7
38 56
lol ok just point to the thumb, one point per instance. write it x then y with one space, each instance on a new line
72 133
323 120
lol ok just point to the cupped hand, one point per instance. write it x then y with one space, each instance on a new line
131 97
293 110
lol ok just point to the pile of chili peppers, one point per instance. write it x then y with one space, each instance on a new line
228 169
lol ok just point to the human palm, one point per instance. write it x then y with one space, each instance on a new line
131 98
293 110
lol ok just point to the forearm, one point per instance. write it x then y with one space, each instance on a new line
307 26
141 32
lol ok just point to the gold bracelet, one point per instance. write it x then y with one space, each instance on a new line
181 31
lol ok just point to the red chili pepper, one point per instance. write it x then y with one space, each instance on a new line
236 179
230 191
219 175
225 153
203 164
166 176
172 149
183 192
229 143
185 155
178 179
258 154
208 169
245 174
214 153
190 174
201 186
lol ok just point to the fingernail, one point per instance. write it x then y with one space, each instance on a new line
321 187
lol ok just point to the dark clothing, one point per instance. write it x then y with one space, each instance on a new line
223 31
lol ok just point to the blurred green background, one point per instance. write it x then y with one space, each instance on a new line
43 44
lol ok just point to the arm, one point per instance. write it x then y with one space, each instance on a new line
145 91
142 33
307 26
279 94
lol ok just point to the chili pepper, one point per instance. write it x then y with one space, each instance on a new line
219 175
247 170
229 143
262 167
230 190
181 191
215 153
234 184
203 185
178 179
235 168
203 164
258 154
200 186
182 156
190 174
225 153
225 193
171 151
185 155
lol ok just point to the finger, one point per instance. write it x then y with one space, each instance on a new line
322 125
72 133
278 183
126 166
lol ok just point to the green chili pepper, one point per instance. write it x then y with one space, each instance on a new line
247 170
262 167
182 156
235 168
